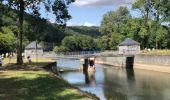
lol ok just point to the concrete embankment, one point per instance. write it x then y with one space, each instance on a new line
159 63
115 61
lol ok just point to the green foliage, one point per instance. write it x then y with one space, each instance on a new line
115 39
113 20
152 32
103 43
7 40
149 32
114 27
76 43
57 7
60 49
84 30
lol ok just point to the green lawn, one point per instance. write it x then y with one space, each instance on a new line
158 52
30 82
34 60
35 85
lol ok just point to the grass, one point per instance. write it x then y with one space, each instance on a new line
23 82
34 60
35 85
158 52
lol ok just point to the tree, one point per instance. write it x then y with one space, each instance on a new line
58 7
1 9
152 9
77 43
160 10
145 7
113 27
113 20
7 41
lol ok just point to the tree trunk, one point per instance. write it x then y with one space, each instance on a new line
1 10
21 14
157 26
146 24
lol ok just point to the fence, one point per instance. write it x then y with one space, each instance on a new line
80 53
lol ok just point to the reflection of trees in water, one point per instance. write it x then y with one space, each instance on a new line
111 94
152 85
117 83
90 78
139 84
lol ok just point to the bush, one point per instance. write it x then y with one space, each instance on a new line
60 49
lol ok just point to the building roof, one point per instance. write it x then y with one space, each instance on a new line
129 41
32 45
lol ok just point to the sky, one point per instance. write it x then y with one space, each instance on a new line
90 12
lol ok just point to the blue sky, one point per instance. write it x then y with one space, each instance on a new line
90 12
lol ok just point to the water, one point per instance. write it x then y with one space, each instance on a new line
115 84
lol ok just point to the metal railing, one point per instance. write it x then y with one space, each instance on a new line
78 54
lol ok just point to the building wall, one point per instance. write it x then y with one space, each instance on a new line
133 49
32 52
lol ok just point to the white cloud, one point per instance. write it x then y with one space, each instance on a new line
88 24
52 20
93 3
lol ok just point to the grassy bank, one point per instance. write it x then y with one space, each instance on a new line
158 52
34 60
26 83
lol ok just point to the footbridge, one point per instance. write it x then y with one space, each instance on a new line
87 54
89 58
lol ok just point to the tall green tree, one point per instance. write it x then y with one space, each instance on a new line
160 10
152 9
112 26
145 7
57 7
113 20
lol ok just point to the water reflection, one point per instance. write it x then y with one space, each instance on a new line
118 84
130 77
114 84
90 78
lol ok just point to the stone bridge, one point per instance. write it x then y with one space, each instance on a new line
125 60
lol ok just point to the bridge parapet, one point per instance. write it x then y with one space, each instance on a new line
78 54
86 54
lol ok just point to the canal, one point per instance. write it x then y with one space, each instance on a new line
111 83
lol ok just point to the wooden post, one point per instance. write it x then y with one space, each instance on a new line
85 65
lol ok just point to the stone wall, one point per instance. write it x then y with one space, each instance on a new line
152 59
160 63
115 61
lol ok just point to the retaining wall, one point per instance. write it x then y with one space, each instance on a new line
153 59
115 61
159 63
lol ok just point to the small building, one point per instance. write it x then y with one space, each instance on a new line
30 50
129 46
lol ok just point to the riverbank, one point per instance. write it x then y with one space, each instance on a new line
31 82
159 63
